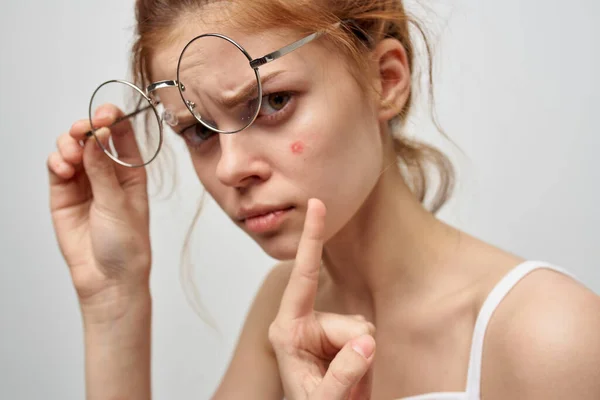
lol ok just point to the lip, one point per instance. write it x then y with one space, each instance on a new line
259 211
264 218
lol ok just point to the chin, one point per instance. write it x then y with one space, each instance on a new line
281 246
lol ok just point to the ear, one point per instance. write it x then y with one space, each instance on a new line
394 78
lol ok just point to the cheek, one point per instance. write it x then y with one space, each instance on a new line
206 172
297 148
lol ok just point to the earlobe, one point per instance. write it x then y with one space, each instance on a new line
394 78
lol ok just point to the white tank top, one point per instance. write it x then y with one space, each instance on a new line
485 314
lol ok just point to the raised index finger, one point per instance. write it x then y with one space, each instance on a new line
299 297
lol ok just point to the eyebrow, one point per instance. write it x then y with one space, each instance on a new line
247 90
186 119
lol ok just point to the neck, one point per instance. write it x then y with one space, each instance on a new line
392 248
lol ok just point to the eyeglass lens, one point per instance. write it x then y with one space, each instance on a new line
135 137
218 85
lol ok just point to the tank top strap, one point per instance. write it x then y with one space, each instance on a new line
496 296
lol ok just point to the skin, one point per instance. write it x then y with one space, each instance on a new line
387 262
297 148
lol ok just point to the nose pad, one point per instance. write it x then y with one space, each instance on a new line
170 117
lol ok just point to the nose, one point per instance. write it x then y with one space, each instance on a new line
241 163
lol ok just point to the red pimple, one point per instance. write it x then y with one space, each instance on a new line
297 148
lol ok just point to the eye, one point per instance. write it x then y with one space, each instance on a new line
197 134
275 102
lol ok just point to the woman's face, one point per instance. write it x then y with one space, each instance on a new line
317 135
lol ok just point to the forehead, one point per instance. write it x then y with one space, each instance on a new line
214 70
214 20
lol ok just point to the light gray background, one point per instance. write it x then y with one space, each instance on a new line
518 91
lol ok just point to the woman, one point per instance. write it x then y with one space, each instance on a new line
380 299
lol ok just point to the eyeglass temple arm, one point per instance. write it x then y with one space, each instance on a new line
124 117
285 50
151 88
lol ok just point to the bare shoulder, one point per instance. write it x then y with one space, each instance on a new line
253 372
544 341
266 302
276 280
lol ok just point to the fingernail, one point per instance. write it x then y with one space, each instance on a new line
364 345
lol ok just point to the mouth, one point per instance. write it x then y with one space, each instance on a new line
264 220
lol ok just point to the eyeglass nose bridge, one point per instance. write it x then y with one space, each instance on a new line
161 85
168 116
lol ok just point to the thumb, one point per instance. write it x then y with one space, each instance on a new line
346 370
100 170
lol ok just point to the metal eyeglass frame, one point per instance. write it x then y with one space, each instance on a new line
255 64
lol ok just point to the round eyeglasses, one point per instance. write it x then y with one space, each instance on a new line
218 82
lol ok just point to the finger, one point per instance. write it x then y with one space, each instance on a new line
69 149
122 133
358 317
299 296
59 170
346 370
101 170
132 180
64 190
340 329
81 130
362 390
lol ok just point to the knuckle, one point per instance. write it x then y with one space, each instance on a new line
343 376
62 142
371 328
307 274
310 381
134 179
276 334
100 167
363 328
284 337
78 126
49 163
51 157
53 160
